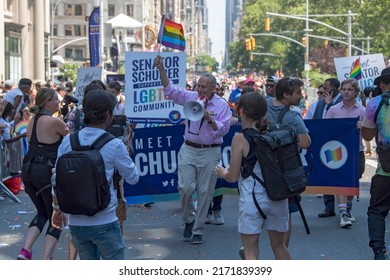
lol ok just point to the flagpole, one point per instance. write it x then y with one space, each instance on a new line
159 35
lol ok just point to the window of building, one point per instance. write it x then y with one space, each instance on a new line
74 10
111 10
75 30
68 53
55 29
14 46
74 53
78 10
78 54
130 10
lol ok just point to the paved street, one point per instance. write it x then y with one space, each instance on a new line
156 233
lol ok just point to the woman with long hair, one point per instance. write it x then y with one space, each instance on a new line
251 109
44 133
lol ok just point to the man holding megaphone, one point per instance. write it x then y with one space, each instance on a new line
207 121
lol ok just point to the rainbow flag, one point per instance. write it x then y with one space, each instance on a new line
356 71
334 155
171 34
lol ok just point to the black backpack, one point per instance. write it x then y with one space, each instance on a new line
81 183
278 154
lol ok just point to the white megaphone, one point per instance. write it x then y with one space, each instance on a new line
194 110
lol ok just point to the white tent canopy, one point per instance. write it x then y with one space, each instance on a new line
124 21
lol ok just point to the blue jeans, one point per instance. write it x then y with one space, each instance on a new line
99 242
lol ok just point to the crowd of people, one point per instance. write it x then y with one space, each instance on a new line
257 103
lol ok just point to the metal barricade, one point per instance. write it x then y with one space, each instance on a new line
11 157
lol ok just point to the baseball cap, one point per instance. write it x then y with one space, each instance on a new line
249 80
9 83
272 79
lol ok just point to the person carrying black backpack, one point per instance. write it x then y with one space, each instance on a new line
86 229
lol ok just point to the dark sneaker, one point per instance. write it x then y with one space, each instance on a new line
197 239
188 230
381 255
241 253
326 213
24 255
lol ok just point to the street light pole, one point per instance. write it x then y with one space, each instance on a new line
53 9
307 64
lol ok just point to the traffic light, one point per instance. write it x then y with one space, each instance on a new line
267 24
253 43
248 45
304 41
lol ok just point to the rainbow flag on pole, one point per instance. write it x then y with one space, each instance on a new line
171 34
356 71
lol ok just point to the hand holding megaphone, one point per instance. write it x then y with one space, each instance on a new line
194 110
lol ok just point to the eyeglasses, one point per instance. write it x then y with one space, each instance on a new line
268 85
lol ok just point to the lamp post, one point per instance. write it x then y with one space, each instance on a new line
307 19
53 9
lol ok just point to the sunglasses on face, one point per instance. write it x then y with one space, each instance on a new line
271 86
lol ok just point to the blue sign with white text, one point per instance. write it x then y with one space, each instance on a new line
332 162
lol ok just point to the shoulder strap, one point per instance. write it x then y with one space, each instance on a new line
281 115
377 110
102 140
77 119
74 140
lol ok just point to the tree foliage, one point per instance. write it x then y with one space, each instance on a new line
70 70
369 22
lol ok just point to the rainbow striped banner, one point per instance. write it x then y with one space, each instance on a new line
356 71
171 34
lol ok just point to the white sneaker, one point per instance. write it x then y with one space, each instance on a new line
344 222
218 218
350 216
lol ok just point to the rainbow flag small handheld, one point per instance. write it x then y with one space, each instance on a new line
171 34
356 71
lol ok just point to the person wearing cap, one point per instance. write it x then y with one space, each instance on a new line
238 90
15 96
270 85
376 122
8 86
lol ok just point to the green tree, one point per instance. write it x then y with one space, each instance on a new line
369 21
70 70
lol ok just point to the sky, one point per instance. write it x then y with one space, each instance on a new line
216 28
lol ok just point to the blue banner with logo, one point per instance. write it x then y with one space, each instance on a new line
334 167
94 36
332 161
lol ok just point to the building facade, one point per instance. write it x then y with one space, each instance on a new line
34 34
24 39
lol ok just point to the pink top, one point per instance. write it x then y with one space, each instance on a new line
339 111
201 132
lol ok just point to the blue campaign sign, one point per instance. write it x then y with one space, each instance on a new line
335 156
332 161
